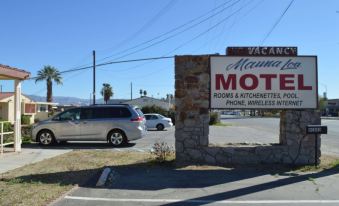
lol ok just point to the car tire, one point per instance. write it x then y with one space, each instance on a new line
45 138
160 127
117 138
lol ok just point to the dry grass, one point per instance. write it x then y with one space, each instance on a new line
42 182
326 162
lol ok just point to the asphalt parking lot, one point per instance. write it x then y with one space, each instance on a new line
144 185
141 184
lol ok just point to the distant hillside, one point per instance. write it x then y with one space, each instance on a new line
64 100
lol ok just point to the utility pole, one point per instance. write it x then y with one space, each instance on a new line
93 77
131 91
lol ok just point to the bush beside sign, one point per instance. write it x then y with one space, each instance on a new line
263 82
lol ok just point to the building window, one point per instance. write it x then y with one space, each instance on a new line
29 108
42 108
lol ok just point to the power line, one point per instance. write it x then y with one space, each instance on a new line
277 22
148 24
173 30
209 29
173 35
112 62
238 19
199 35
164 34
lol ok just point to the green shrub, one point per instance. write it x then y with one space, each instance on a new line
25 119
154 109
8 127
214 118
171 114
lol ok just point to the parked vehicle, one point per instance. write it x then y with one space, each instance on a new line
157 121
116 124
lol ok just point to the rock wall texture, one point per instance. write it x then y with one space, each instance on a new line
192 96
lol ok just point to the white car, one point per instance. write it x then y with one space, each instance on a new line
157 121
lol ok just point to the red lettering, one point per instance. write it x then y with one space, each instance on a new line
268 80
301 85
231 81
284 81
254 84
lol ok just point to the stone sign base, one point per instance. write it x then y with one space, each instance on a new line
192 82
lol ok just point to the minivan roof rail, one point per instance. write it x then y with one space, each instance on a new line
107 104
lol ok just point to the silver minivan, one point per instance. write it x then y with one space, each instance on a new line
116 124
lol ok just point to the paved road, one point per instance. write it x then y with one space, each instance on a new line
267 130
247 130
243 130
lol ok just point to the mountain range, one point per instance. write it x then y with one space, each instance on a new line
63 100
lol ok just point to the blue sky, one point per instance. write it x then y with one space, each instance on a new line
63 34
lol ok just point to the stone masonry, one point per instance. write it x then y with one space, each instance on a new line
192 98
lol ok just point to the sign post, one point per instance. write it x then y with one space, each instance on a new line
316 129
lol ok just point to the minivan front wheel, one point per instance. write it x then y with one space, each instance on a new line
116 138
45 137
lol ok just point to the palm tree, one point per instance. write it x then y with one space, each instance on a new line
106 92
49 74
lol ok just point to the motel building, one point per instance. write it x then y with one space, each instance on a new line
34 110
13 104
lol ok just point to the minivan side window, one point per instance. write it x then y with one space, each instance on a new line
111 112
70 115
87 113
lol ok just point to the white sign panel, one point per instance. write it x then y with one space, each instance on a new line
264 82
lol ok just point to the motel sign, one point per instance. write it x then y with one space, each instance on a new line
264 82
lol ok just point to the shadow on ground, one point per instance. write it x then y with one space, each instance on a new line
153 177
77 145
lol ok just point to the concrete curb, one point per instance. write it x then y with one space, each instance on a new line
103 177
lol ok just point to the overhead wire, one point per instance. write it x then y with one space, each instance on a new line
277 22
148 24
207 30
238 19
166 33
199 35
171 31
162 57
111 62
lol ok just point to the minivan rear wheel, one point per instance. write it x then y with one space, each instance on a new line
45 137
117 138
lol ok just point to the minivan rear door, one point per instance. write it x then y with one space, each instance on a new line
91 128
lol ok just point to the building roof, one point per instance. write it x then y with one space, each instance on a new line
7 72
4 95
